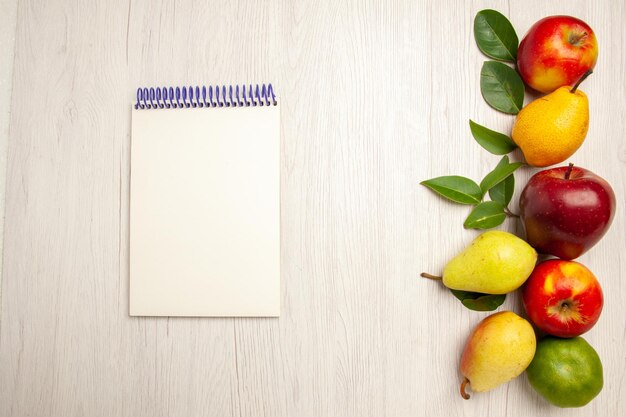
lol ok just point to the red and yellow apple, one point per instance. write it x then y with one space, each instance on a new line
556 51
562 298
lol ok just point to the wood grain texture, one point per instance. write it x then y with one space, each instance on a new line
8 20
375 97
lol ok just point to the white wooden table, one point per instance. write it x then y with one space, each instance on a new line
375 98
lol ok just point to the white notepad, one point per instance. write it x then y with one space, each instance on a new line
205 204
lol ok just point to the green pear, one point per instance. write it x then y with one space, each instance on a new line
499 349
494 263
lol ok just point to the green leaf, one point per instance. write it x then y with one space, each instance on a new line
499 174
479 302
502 192
501 87
486 215
458 189
492 141
495 35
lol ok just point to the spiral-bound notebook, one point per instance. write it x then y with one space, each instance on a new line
205 202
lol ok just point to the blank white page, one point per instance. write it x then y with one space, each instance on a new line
205 212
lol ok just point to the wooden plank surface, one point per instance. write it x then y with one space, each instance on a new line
375 97
8 20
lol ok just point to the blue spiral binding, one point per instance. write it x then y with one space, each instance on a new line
211 96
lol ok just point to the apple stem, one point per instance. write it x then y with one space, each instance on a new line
574 39
430 276
464 394
585 75
569 171
510 213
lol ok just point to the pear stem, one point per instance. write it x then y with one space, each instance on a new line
585 75
569 171
430 276
510 213
464 394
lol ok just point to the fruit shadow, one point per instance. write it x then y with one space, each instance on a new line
531 95
541 404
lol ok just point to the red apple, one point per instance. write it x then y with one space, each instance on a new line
556 51
566 210
562 298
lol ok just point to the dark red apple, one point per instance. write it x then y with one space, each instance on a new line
556 51
563 298
566 210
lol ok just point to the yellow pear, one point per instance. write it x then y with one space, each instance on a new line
499 349
495 262
551 128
